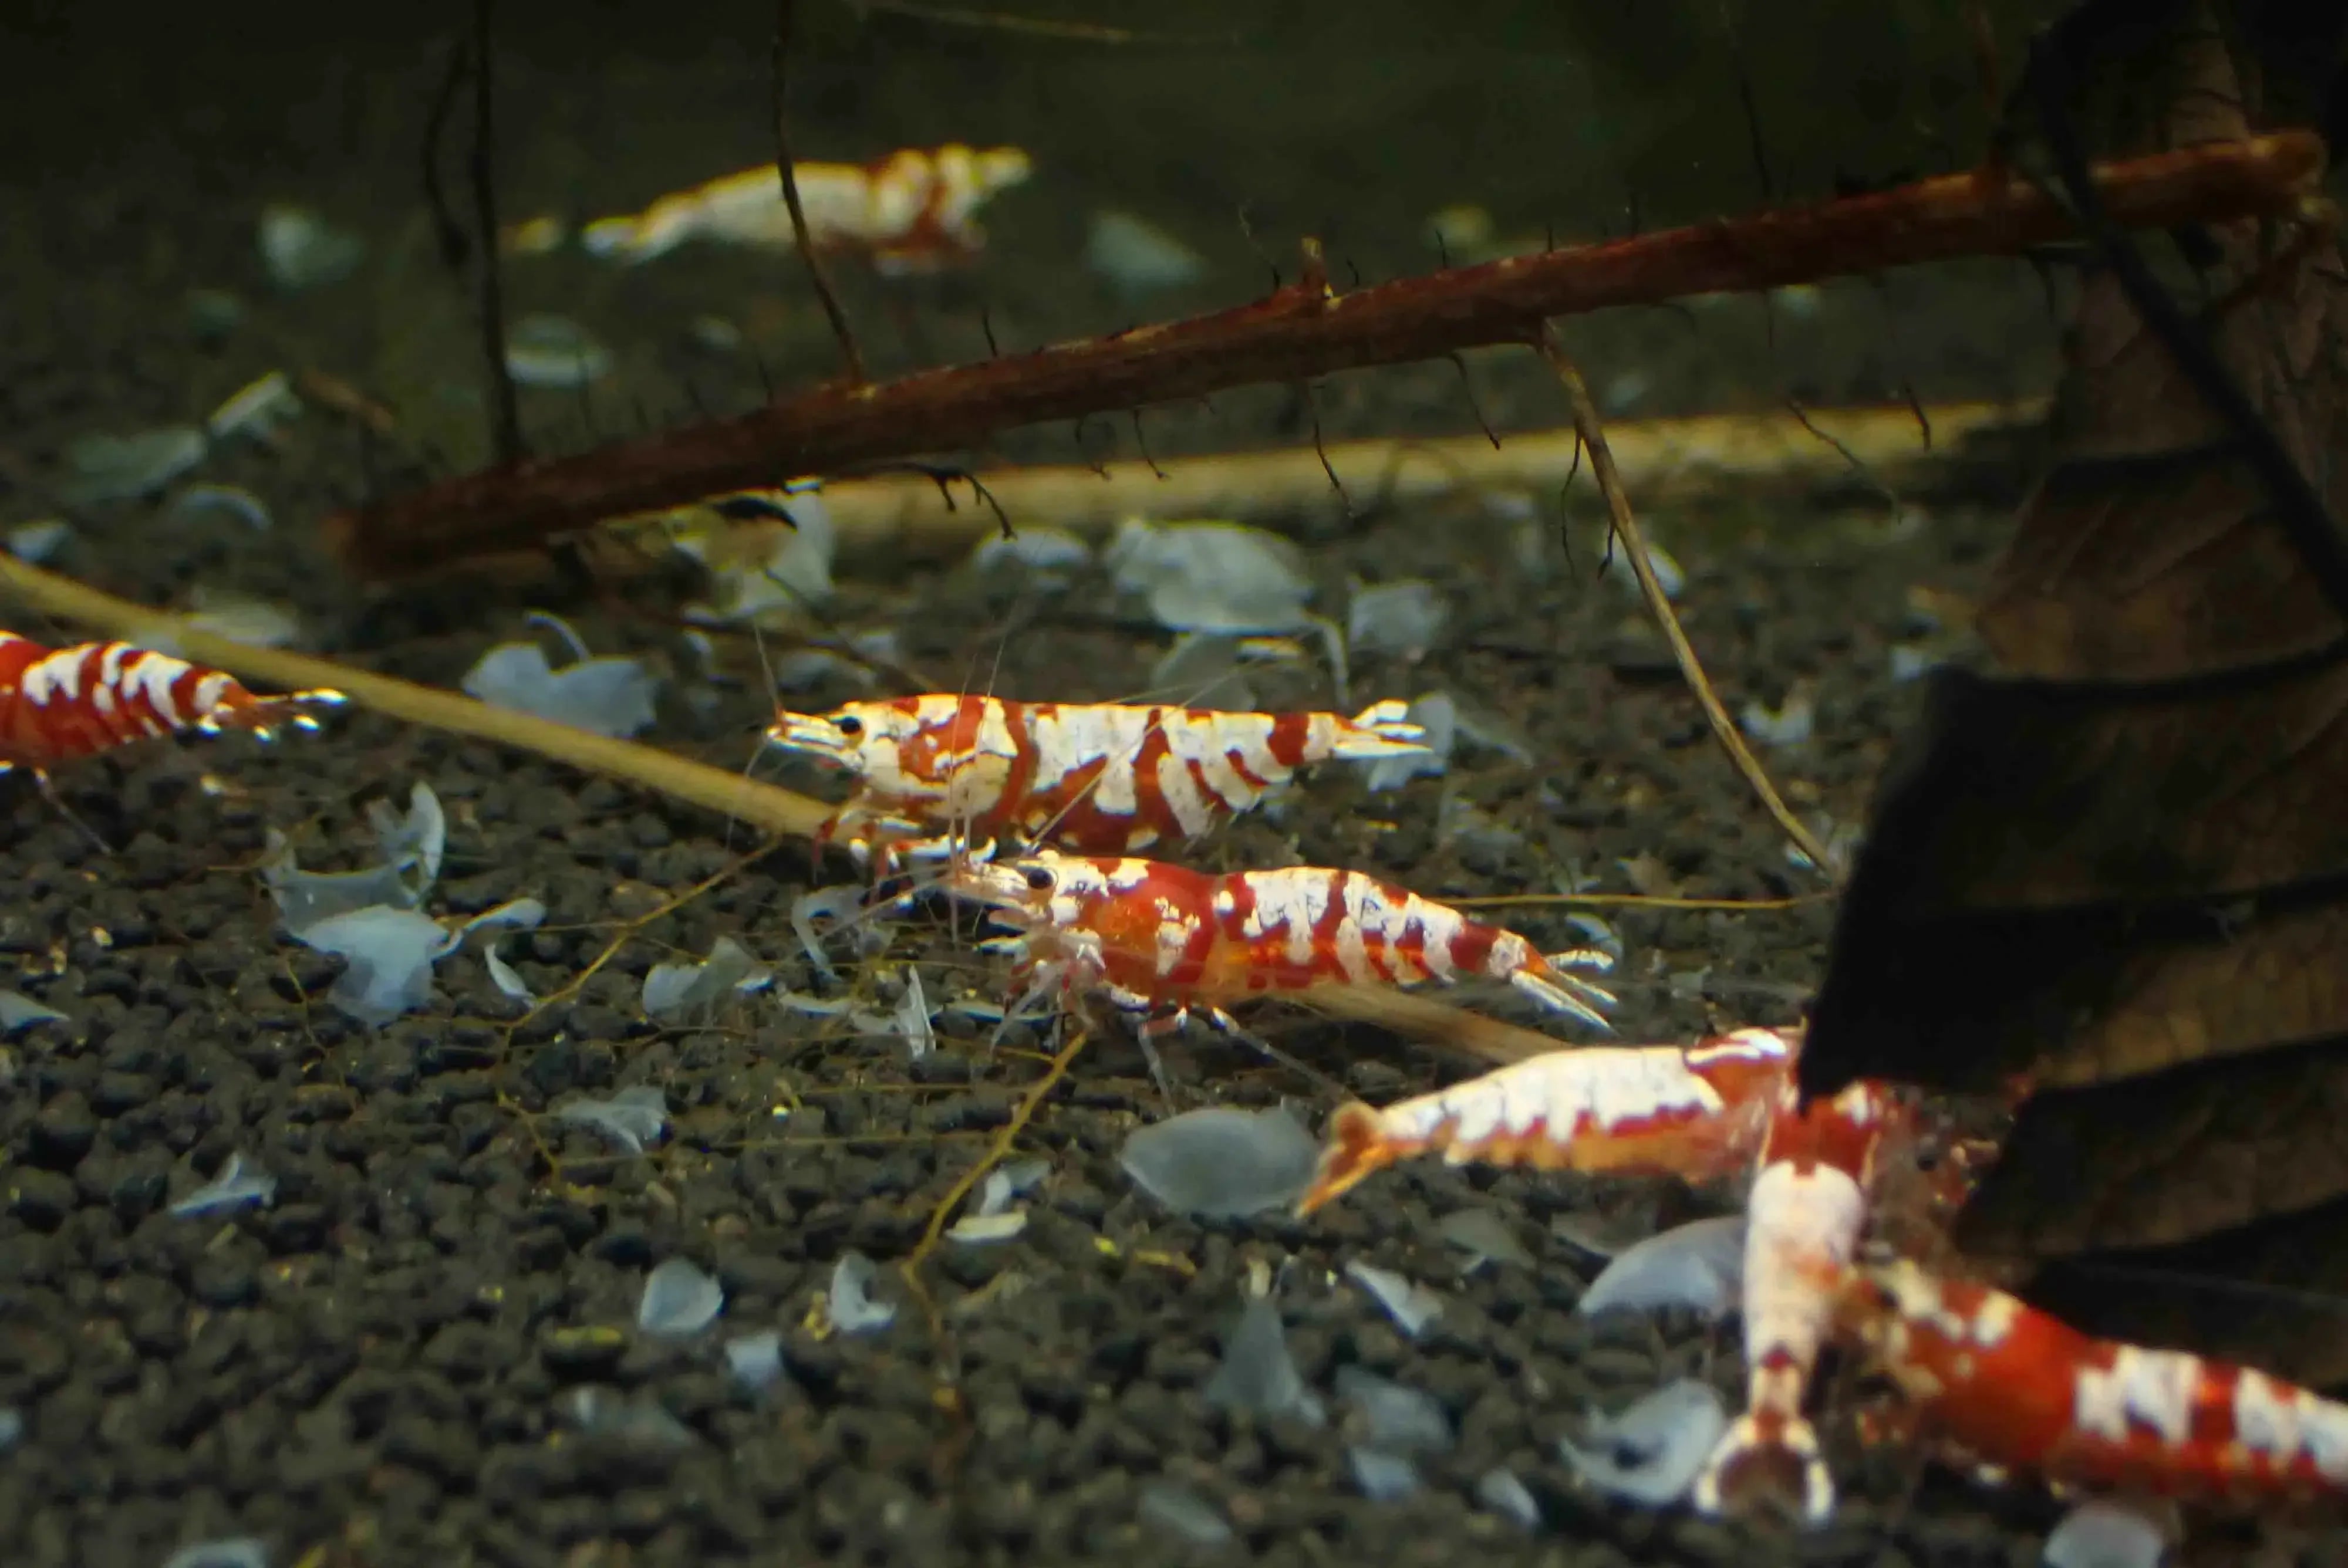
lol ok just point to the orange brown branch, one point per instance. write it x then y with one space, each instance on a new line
1296 334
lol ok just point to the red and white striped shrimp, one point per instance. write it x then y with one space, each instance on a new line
58 705
1094 777
2013 1387
1804 1218
1699 1111
1167 941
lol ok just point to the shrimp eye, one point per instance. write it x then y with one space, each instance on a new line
849 724
1039 879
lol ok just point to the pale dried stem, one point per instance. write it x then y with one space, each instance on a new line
895 516
1634 547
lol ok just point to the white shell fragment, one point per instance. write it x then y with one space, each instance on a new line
302 250
12 1427
608 696
912 1017
1204 671
1136 257
1650 1453
834 905
1403 619
18 1010
1395 1418
1005 1183
675 992
1411 1305
680 1300
2103 1533
1669 575
513 915
554 352
1212 577
124 468
1258 1375
1181 1512
1052 554
236 501
1504 1494
502 975
1383 1477
979 1230
756 1360
391 953
232 1551
1484 1237
254 410
413 841
848 1305
239 617
1220 1163
231 1188
632 1118
306 897
638 1421
1790 723
1700 1265
37 541
795 574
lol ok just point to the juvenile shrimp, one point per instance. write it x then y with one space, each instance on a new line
1167 941
913 211
2013 1387
1094 778
1699 1111
59 705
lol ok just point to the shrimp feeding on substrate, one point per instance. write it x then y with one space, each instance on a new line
935 772
59 705
1166 942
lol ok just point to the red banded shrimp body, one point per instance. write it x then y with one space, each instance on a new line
1995 1382
1092 777
60 705
1167 941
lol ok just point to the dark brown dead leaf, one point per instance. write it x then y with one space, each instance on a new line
2117 863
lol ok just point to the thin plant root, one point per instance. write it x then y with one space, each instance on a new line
1635 545
997 1149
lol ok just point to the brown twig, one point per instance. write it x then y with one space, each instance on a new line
1634 545
785 169
1297 333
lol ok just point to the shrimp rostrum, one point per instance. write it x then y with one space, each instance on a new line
933 772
